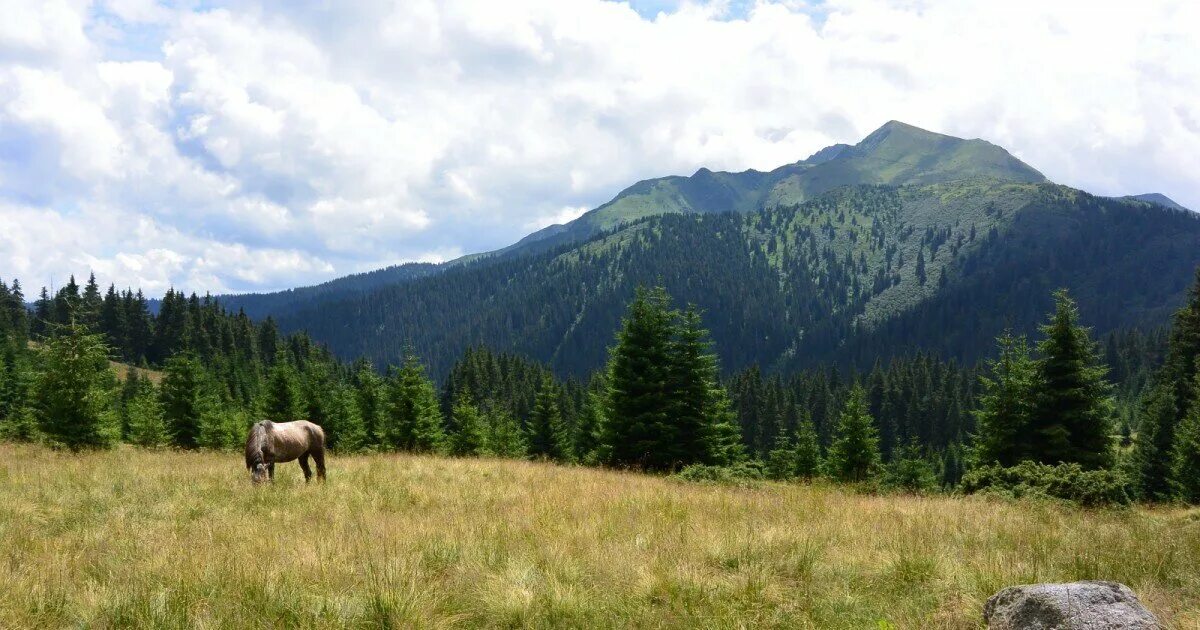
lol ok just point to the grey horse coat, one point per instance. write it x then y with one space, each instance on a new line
271 443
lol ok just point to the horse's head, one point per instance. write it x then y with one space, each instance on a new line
258 473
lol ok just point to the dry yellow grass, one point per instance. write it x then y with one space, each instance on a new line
134 538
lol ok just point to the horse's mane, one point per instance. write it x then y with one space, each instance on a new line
255 443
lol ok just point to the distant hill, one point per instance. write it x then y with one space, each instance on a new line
906 241
1156 198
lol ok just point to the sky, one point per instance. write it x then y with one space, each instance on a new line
228 147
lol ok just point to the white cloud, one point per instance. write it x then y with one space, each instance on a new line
255 146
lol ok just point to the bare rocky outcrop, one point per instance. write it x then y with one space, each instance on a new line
1092 605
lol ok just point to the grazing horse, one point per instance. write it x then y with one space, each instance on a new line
273 443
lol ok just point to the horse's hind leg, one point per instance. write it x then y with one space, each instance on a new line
304 467
318 456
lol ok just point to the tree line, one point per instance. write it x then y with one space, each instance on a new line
659 404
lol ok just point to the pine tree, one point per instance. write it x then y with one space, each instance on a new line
185 397
1073 404
548 435
854 453
89 306
1006 405
413 421
1185 454
1152 448
282 402
468 437
75 390
639 426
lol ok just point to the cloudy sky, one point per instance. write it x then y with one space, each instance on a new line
221 146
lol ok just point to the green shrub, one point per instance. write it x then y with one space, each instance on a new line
1067 482
744 473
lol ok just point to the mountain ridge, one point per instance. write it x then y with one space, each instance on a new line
906 241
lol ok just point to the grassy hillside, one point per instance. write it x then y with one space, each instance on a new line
140 539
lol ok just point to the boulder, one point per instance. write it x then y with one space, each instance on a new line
1074 606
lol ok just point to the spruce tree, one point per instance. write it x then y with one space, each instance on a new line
1183 352
705 424
589 429
781 461
468 437
854 453
808 450
1006 405
639 427
17 419
144 418
1185 454
1073 403
413 421
1152 449
548 435
369 391
282 402
185 397
504 435
75 390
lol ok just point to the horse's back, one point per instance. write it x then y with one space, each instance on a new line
293 439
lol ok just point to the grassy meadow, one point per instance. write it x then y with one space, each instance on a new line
133 538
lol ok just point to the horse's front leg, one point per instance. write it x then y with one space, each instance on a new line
305 468
271 471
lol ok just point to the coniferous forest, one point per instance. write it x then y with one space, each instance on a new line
1061 413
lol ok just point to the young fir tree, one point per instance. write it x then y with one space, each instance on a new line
223 427
1152 449
589 428
910 470
808 450
781 460
1183 353
1006 405
345 431
548 435
146 425
504 435
17 420
1185 453
639 431
854 453
1073 404
185 397
282 402
75 390
369 391
469 437
705 423
413 421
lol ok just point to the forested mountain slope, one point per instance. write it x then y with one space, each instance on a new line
854 274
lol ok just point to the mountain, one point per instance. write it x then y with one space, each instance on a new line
908 240
896 154
1156 198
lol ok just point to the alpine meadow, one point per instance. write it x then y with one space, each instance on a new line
908 381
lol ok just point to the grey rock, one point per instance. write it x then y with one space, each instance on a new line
1091 605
